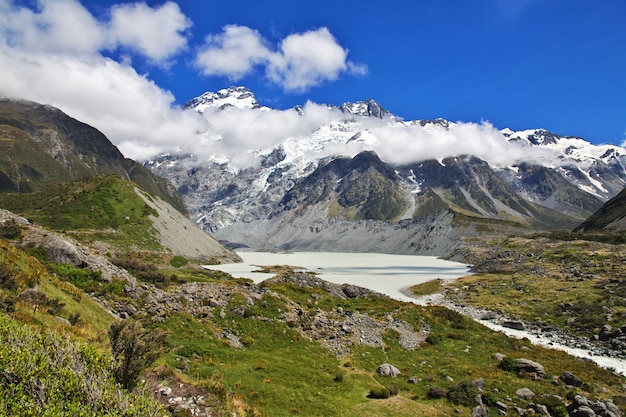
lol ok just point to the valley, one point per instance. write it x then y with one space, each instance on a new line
122 251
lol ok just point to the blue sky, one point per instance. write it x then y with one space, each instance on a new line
554 64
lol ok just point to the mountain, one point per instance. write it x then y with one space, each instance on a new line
70 177
611 216
42 146
347 172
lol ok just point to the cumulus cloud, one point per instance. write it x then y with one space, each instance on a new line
61 26
232 53
156 33
54 54
301 61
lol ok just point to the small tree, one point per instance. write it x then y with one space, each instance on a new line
134 349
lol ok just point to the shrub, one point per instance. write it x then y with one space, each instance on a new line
508 364
7 279
434 339
339 375
134 349
555 406
436 393
463 393
178 261
10 230
379 393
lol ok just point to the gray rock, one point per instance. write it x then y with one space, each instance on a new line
583 411
388 370
530 367
514 324
480 411
502 407
525 394
63 321
570 379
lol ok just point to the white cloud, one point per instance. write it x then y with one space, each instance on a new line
306 60
157 33
232 53
53 55
66 27
58 26
302 61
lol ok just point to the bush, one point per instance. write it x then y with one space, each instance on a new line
134 349
463 393
435 393
178 261
10 230
339 375
434 339
508 364
379 393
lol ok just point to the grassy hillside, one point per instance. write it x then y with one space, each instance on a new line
42 146
106 204
578 285
53 347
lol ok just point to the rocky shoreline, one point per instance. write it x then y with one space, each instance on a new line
604 346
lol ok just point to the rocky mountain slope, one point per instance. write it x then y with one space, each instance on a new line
358 167
42 146
611 216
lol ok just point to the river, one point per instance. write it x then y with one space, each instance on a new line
387 274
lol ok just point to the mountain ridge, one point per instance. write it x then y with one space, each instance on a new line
556 183
43 146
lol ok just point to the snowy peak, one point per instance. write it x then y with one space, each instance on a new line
533 136
367 108
239 97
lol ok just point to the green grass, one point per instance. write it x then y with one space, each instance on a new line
429 287
104 208
279 372
572 284
45 374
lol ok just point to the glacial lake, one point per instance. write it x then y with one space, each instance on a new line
386 274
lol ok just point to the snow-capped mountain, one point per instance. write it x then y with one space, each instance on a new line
356 175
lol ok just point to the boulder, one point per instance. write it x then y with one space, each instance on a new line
570 379
525 394
514 324
388 370
480 411
583 411
530 367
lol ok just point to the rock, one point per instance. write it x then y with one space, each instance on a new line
571 379
480 411
583 411
414 380
499 356
489 315
63 321
502 407
388 370
353 291
525 394
606 333
530 367
514 324
479 384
